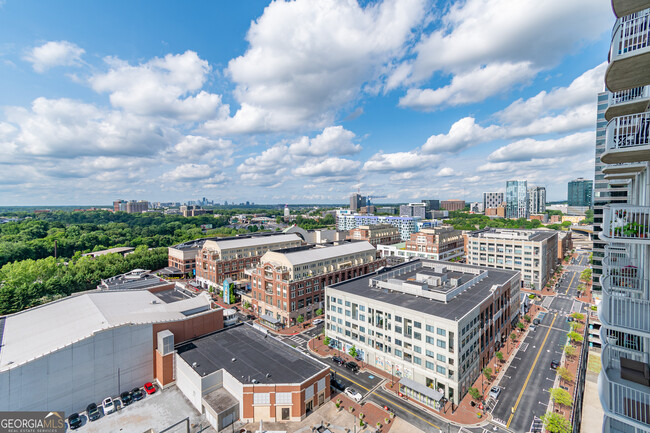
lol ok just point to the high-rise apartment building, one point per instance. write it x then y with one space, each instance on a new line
130 206
580 192
406 225
492 200
517 199
357 201
624 312
385 234
413 210
438 243
536 200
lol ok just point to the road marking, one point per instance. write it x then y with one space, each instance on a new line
514 409
389 401
571 282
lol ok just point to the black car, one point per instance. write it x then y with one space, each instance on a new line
127 398
251 317
336 384
137 394
352 366
555 364
92 412
536 321
338 360
74 421
235 308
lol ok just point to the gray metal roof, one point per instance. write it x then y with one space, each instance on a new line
455 309
255 355
327 253
253 241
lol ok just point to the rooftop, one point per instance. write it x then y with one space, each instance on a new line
298 256
454 308
38 331
252 241
513 234
118 250
137 279
249 354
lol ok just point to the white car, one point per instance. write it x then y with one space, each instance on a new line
108 405
494 392
317 322
353 394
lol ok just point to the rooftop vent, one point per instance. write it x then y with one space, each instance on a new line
195 364
233 360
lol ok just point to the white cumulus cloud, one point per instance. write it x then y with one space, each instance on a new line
54 53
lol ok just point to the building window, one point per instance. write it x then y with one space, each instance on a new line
431 328
442 358
417 336
262 398
398 353
417 360
431 340
430 365
417 325
417 349
440 369
442 343
442 332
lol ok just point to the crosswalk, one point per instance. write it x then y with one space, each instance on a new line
299 339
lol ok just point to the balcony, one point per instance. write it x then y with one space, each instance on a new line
625 102
623 399
626 224
623 171
627 7
626 307
627 139
629 55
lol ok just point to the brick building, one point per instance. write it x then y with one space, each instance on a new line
290 283
444 240
452 204
376 234
221 259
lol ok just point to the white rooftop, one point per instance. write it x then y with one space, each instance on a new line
324 253
251 242
38 331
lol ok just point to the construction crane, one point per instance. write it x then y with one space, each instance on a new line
368 199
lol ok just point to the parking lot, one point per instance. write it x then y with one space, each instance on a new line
157 411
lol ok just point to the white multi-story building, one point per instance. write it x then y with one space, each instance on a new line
432 325
406 225
438 243
624 381
532 252
536 200
492 200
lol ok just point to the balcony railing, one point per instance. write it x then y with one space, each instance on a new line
626 399
612 356
629 95
626 222
631 34
623 310
628 131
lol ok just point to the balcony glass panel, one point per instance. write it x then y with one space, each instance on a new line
624 132
623 222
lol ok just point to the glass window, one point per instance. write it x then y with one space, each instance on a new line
417 360
398 353
440 369
417 336
398 319
417 325
417 349
442 332
431 328
442 343
442 357
430 365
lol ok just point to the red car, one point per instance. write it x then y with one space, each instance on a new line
149 388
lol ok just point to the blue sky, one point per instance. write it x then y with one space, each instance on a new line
295 102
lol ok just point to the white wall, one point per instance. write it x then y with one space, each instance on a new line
85 372
189 382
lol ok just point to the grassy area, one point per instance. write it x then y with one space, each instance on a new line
593 363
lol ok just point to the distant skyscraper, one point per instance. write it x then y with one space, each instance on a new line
431 205
357 201
492 200
536 199
580 192
287 212
517 199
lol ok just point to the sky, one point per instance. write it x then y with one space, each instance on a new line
296 102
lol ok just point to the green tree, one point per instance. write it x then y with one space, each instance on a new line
578 316
556 423
487 372
513 336
300 319
475 393
575 337
561 397
353 352
527 318
326 341
520 326
319 312
586 275
565 374
499 356
570 351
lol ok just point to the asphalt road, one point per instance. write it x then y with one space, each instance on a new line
527 381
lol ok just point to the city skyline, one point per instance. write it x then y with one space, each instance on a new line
149 109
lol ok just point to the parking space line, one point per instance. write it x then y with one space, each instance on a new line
514 409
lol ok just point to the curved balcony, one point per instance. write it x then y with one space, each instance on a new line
627 7
625 305
625 169
627 139
629 101
626 224
629 55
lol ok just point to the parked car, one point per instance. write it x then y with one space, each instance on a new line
74 421
536 321
336 384
494 392
353 394
235 308
108 405
149 388
555 364
533 327
251 317
570 319
317 322
352 366
93 412
126 398
388 409
137 394
338 360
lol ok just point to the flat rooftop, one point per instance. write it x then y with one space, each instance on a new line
137 279
116 250
250 241
303 255
256 354
454 309
513 234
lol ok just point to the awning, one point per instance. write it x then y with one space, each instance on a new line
269 319
422 389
